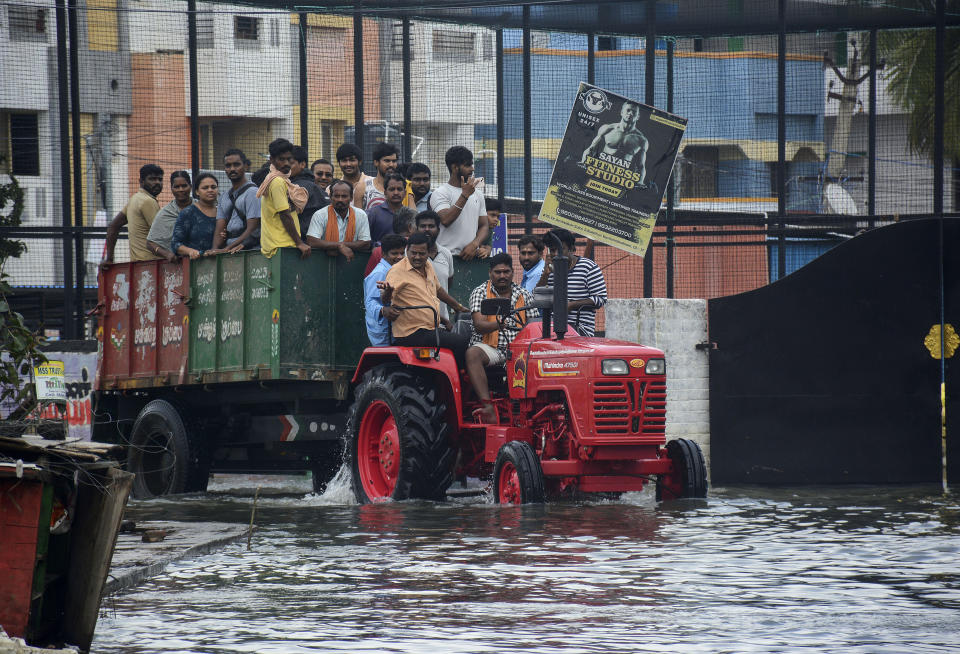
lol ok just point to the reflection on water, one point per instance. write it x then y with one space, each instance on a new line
761 570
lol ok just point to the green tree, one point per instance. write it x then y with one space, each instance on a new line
910 60
19 344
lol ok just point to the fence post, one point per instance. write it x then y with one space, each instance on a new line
358 119
591 58
304 96
939 81
781 138
63 105
501 132
194 90
407 99
527 128
77 314
649 72
671 186
872 132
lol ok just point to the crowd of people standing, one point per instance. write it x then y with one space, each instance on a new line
414 232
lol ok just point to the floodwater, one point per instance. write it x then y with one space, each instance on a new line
853 569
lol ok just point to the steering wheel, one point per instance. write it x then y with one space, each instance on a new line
514 317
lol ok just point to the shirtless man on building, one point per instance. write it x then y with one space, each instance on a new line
621 143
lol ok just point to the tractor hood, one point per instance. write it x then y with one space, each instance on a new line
581 346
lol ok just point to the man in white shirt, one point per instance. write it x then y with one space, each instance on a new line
350 232
462 210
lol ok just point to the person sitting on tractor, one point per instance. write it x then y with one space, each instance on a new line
491 337
413 282
378 316
586 286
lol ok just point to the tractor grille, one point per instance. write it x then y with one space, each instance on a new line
629 407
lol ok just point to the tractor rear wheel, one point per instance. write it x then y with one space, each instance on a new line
398 443
517 475
165 452
689 475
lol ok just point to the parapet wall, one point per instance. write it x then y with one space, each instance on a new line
676 327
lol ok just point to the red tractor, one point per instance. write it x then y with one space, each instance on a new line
576 415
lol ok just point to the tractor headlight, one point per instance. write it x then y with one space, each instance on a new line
614 367
656 366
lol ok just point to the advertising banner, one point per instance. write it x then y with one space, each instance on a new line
612 169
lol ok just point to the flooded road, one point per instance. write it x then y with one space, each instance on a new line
859 569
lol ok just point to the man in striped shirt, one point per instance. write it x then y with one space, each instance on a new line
586 287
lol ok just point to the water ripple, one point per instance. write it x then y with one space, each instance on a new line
747 570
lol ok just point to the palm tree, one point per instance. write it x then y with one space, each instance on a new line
910 59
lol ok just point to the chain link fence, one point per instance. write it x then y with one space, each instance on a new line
784 157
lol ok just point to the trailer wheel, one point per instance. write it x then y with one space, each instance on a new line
689 475
397 438
517 475
164 452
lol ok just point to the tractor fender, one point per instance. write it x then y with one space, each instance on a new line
443 369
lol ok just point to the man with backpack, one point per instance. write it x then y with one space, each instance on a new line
238 211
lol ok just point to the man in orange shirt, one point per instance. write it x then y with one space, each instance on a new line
412 282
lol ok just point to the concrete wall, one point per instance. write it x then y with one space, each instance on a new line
676 327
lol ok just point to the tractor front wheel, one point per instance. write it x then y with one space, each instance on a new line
689 475
517 475
398 441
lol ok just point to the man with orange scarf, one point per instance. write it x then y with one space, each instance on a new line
339 228
491 341
279 203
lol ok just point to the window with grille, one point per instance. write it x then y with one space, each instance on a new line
19 144
454 47
245 28
27 23
489 52
275 27
204 30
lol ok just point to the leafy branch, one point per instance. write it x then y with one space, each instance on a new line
19 344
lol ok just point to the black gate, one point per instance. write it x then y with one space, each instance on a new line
827 376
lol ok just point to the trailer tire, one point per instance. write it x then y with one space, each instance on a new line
165 452
398 438
689 476
517 475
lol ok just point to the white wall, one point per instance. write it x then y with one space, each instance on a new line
469 87
23 64
676 327
232 80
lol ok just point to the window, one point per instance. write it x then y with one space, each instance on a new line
396 44
275 32
245 28
454 47
205 30
698 171
20 144
27 23
606 43
489 52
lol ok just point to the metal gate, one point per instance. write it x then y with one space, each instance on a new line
833 374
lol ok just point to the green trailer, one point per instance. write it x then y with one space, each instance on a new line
233 363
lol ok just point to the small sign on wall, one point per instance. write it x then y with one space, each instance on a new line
49 379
